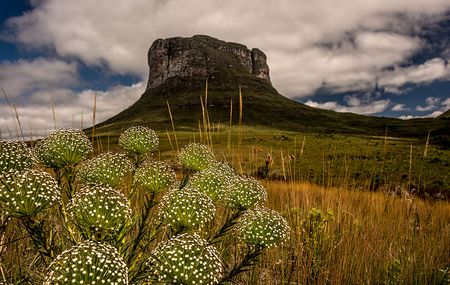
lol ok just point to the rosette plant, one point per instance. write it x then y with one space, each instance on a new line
100 211
63 147
108 169
196 157
185 259
139 141
15 155
89 262
154 176
246 192
185 208
212 181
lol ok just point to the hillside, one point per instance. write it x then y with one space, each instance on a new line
179 68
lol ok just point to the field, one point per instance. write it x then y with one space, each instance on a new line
361 210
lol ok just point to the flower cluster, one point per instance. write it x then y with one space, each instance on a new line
262 227
139 140
154 176
97 208
88 263
63 147
185 208
15 155
196 157
246 192
185 259
28 193
213 182
107 169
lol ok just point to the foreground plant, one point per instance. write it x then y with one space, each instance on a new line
154 176
246 193
97 210
139 140
186 208
195 157
63 147
213 182
108 169
15 155
88 263
185 259
28 193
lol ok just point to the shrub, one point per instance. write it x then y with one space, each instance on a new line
99 209
63 147
185 259
245 193
262 228
154 176
107 169
15 155
195 157
185 208
28 193
88 263
139 140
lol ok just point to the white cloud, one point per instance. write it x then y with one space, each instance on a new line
353 107
23 76
71 109
346 44
431 104
399 108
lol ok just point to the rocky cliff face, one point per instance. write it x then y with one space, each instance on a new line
201 57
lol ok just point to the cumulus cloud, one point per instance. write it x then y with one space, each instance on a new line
71 109
431 104
346 45
23 76
434 104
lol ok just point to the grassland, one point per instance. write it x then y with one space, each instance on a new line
348 161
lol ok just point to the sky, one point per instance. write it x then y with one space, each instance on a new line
373 57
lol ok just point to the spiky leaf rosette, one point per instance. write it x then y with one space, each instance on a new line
15 155
107 169
185 208
154 176
212 181
245 193
196 157
99 209
63 147
262 228
139 140
88 263
28 192
185 259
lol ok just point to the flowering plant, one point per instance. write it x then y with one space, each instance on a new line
15 155
139 140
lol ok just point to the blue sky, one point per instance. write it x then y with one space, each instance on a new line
373 57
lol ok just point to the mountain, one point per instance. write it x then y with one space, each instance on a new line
180 67
445 115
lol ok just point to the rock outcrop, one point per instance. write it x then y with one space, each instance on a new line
201 57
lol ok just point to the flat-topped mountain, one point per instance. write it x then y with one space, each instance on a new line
178 71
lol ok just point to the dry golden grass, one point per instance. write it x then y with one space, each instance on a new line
369 238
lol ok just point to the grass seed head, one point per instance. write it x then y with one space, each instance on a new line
139 140
88 263
63 147
154 176
28 192
262 227
186 208
99 209
15 155
245 193
196 157
108 169
185 259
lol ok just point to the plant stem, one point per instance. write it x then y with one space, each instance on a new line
226 227
249 260
36 231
